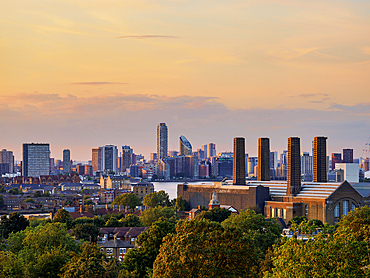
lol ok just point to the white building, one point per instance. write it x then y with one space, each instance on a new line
351 171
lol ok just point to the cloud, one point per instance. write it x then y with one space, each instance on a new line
147 37
99 83
310 95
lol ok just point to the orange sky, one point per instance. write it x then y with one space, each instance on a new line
60 59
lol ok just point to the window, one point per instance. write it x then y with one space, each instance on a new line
279 213
272 212
336 211
109 251
284 213
345 207
122 250
306 209
353 206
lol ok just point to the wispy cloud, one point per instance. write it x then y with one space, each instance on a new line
147 37
99 83
310 95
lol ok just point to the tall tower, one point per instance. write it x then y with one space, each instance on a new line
294 166
126 158
347 155
239 161
211 150
185 146
96 159
8 158
35 160
263 159
66 161
109 156
319 159
162 141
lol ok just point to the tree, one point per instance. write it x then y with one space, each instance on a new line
1 201
130 200
130 220
29 200
204 249
215 214
14 191
358 221
86 232
63 216
112 222
2 189
12 224
181 204
151 215
138 262
90 263
9 266
155 199
45 194
83 220
37 194
297 219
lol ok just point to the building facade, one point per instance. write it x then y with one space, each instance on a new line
7 157
66 161
185 146
294 166
239 161
162 141
35 159
263 159
319 159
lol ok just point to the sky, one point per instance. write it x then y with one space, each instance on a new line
82 74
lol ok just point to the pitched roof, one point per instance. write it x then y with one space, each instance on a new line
116 244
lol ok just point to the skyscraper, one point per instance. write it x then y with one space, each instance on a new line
35 159
319 159
96 159
306 165
273 160
66 161
294 166
239 161
211 150
162 141
347 155
7 157
335 158
109 158
126 157
185 146
263 159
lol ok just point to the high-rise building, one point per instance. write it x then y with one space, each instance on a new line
294 166
97 159
307 166
273 160
66 161
263 159
204 149
347 155
7 157
126 158
185 146
153 156
35 159
319 160
239 161
211 150
335 158
252 162
109 158
162 141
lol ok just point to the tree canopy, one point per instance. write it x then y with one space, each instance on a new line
151 215
130 200
215 214
86 232
12 224
63 216
156 199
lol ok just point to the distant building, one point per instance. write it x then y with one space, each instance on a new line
239 161
335 158
185 146
347 155
211 150
350 171
162 140
8 158
252 162
109 158
319 160
273 160
96 159
263 159
66 161
307 166
126 158
35 159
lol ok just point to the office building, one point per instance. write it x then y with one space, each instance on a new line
211 150
335 158
162 141
293 166
319 159
239 161
109 155
273 160
185 146
347 155
252 162
307 166
35 159
7 157
96 159
67 161
263 159
126 158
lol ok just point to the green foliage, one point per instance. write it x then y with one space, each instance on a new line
156 199
34 222
316 223
130 220
2 189
9 266
181 204
29 200
45 194
205 249
130 200
112 222
63 216
297 220
139 261
151 215
83 220
358 221
215 214
14 191
90 263
12 224
37 194
86 232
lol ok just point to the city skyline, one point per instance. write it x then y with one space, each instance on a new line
211 70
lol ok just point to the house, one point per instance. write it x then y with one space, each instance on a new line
123 233
115 248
